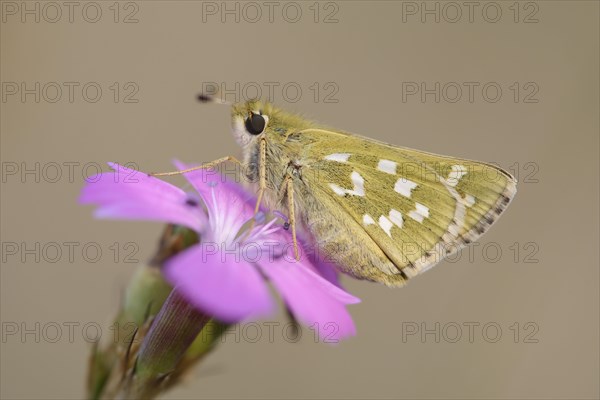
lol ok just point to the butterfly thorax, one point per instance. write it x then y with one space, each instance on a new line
281 137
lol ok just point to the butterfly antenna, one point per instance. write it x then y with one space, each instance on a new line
202 98
212 98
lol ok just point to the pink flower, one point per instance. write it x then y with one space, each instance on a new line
226 274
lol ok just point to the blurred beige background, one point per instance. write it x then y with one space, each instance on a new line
357 65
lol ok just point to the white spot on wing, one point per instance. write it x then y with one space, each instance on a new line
387 166
469 200
416 216
359 186
368 220
386 225
338 190
421 209
458 171
339 157
404 186
396 218
420 213
453 229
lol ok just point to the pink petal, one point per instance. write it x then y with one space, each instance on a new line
311 258
328 271
312 299
324 267
219 283
229 206
131 194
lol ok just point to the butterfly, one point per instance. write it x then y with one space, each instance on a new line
380 212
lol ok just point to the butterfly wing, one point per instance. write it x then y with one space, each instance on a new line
417 207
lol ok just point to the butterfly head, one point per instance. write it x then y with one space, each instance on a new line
251 120
254 119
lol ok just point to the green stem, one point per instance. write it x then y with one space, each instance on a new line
173 331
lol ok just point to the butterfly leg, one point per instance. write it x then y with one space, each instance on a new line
262 181
262 174
203 166
292 213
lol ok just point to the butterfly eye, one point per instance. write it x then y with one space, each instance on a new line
255 124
